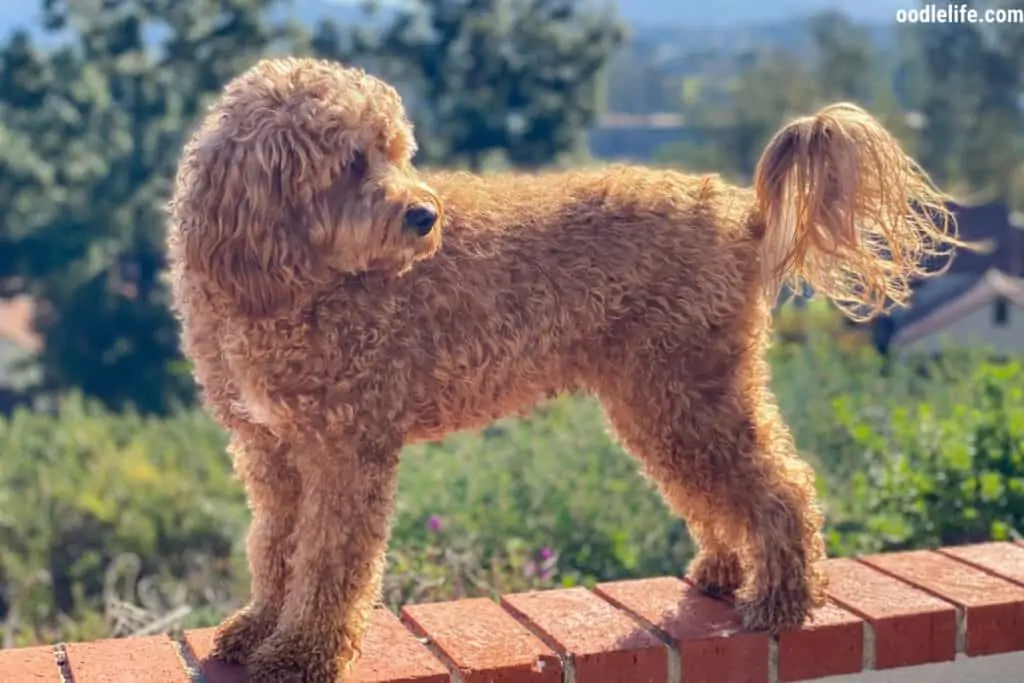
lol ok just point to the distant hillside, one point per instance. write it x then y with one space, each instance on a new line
642 14
719 13
695 14
698 30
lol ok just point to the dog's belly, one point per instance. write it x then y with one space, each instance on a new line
456 409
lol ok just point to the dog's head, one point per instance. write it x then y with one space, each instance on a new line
300 173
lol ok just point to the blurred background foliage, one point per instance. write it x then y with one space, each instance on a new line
118 509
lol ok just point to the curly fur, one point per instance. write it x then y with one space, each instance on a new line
326 334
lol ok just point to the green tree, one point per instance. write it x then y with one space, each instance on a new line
844 56
95 128
972 118
517 78
732 123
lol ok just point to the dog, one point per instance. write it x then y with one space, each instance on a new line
336 304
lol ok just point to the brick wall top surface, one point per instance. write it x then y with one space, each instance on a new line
885 612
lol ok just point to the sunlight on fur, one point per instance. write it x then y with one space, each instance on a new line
338 304
850 213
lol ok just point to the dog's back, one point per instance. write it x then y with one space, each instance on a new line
542 278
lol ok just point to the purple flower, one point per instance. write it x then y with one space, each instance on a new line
547 564
530 569
434 523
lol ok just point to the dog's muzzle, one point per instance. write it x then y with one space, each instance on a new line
421 220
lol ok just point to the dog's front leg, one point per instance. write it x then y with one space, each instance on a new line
342 531
264 465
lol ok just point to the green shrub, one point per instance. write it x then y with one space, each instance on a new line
908 456
554 480
84 487
935 475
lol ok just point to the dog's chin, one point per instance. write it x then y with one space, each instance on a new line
392 266
402 263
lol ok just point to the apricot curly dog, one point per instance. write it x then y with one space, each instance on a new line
329 325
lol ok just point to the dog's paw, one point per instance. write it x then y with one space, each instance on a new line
716 574
242 633
291 658
775 611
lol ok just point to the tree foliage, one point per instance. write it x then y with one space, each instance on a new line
93 125
952 92
97 124
519 78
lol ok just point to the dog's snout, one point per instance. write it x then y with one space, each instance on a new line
421 219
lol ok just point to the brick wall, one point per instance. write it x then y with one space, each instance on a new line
955 614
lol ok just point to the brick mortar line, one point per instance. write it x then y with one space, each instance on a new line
424 638
773 659
869 659
961 630
960 611
983 569
565 658
773 639
675 656
868 656
60 658
187 656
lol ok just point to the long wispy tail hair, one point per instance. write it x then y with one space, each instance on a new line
849 213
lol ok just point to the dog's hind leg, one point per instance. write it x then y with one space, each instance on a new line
272 485
717 568
709 435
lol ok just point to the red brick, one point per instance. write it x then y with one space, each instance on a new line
910 626
483 642
713 645
200 641
390 655
150 659
393 655
1003 559
994 607
604 643
830 644
29 665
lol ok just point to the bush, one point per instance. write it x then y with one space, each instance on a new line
554 480
526 504
90 501
84 487
936 475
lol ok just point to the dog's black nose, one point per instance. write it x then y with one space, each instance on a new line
421 219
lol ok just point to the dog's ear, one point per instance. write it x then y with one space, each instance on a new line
234 211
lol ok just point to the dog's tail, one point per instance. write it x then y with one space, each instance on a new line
849 213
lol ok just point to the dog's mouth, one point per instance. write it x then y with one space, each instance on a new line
398 264
401 261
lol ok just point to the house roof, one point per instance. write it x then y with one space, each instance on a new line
957 302
973 279
932 295
988 223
